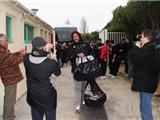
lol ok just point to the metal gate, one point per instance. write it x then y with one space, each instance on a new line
115 36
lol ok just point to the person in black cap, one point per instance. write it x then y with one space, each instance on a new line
41 95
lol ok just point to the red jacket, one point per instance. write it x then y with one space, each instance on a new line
9 70
104 52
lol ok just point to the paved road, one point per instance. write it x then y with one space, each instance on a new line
122 104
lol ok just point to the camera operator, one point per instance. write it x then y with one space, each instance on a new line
146 67
40 67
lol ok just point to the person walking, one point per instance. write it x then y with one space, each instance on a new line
10 75
114 59
104 58
127 47
146 66
78 49
40 69
97 51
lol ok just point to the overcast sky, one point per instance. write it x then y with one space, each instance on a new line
55 12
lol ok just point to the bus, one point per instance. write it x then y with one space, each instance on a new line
63 34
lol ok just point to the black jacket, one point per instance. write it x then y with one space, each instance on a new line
146 65
40 92
74 49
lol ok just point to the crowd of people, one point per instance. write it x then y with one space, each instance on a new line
110 55
106 54
141 59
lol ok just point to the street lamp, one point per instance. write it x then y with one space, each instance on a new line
34 11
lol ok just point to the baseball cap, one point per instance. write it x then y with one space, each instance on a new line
38 42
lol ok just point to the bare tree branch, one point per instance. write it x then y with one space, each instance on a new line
83 26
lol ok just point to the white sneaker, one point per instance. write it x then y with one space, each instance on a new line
106 76
110 75
78 108
102 77
113 77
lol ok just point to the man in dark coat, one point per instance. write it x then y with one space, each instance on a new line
78 49
146 66
41 95
10 74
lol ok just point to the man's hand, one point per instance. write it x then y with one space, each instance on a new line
52 56
48 47
80 54
113 60
105 59
138 44
23 52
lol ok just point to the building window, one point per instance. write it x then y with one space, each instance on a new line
9 28
45 35
28 33
49 37
41 33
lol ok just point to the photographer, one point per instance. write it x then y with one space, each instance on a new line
146 67
40 68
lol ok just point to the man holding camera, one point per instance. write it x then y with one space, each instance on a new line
146 67
40 70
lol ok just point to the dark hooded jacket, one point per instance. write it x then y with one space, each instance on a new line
40 92
74 49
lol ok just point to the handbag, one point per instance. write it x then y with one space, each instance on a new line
88 70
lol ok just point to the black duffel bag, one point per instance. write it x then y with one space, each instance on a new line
93 95
87 70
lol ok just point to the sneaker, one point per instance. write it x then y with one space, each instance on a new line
106 76
102 77
78 108
110 75
113 77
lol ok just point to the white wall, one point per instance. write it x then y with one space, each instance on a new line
116 36
103 35
7 9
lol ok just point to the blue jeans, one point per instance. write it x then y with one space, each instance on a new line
130 69
37 114
146 106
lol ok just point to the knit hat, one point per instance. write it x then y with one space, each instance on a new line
38 42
